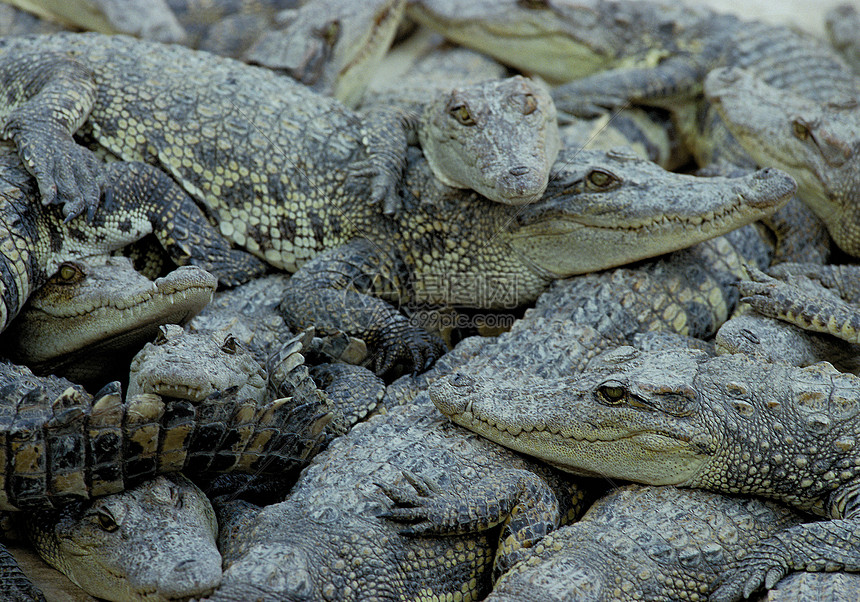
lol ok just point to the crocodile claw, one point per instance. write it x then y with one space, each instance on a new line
763 567
66 173
422 505
401 342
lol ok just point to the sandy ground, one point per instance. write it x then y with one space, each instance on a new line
807 15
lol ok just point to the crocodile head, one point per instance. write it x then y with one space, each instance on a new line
559 40
603 209
498 137
634 416
93 315
154 542
187 365
331 46
817 143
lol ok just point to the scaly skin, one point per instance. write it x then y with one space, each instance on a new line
333 46
729 424
56 332
66 446
813 587
298 549
14 584
36 241
776 341
643 543
816 298
688 293
154 542
816 140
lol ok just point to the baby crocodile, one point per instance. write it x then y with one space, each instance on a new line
326 541
153 542
643 543
248 133
729 424
816 140
89 319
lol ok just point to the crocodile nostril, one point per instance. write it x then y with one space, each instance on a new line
520 170
184 565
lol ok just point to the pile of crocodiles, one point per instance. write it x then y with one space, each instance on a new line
429 300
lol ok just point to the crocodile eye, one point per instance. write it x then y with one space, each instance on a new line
801 130
461 114
598 179
612 393
230 345
750 336
534 4
161 338
69 273
332 33
529 104
106 521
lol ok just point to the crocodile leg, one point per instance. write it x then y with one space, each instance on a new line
40 117
518 500
331 293
672 80
138 190
388 131
832 545
801 301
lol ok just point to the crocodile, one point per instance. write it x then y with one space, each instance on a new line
729 424
408 246
35 240
193 366
55 333
326 540
816 139
515 254
841 23
155 542
94 75
644 543
333 46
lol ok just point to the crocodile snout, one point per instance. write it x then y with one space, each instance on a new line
450 394
770 187
522 184
192 576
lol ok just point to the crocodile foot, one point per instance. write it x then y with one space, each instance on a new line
801 301
764 566
399 341
65 172
384 184
424 506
